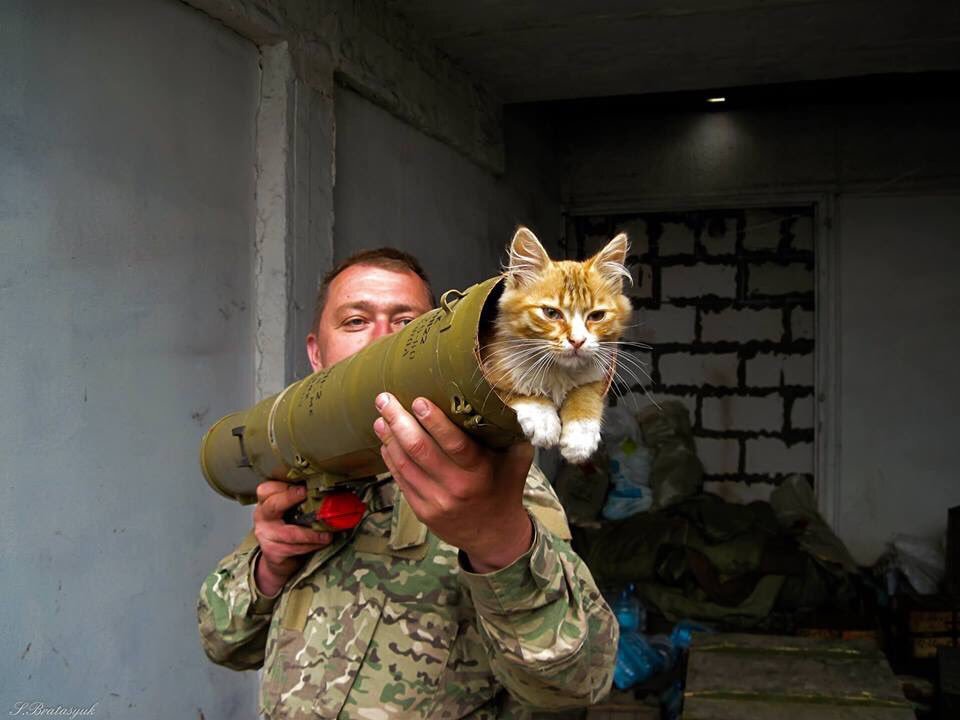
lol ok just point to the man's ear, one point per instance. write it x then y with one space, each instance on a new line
611 261
313 352
527 258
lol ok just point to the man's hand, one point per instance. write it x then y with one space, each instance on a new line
468 495
283 547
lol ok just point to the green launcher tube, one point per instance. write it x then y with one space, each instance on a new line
320 429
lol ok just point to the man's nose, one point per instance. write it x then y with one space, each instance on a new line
382 327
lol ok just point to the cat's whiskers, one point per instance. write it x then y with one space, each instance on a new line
519 382
628 359
625 343
629 368
507 360
505 355
514 381
538 379
604 371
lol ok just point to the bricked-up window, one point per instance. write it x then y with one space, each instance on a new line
726 299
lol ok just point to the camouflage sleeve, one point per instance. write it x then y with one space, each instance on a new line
550 634
233 614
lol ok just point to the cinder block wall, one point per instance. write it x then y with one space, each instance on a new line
726 300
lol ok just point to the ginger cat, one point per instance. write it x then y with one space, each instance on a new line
554 340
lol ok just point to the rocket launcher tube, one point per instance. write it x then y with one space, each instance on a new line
320 429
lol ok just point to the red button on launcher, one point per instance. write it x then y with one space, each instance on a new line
341 510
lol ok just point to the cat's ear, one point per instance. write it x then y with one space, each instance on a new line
611 262
527 258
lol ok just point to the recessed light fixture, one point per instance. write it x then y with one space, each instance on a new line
716 100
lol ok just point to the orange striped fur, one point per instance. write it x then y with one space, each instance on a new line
550 354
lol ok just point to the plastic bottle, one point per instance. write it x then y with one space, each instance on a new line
630 612
637 661
664 647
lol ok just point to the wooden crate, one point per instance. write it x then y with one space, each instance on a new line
929 622
767 677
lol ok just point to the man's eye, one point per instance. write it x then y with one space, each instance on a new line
551 313
597 315
355 322
405 321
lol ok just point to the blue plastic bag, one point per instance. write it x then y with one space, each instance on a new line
637 661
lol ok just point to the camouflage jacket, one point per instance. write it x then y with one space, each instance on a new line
386 623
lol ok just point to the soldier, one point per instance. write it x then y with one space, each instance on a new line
457 596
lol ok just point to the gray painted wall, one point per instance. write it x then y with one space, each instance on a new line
886 167
396 186
898 315
126 221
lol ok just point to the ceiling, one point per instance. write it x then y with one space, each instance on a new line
533 50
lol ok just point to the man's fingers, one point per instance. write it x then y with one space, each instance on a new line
404 430
272 506
279 552
296 535
270 487
414 496
453 441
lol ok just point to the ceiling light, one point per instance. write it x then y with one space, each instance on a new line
716 99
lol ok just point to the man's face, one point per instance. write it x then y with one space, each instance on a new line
364 303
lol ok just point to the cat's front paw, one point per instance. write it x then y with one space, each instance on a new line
539 422
579 440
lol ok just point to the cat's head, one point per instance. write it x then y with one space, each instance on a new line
577 309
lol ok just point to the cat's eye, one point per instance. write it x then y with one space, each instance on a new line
597 315
551 313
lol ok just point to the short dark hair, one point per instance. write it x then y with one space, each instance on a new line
386 258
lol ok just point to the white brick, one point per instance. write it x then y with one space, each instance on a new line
771 456
742 325
802 413
698 280
765 370
739 492
802 324
736 412
722 244
666 325
711 369
762 231
802 231
676 239
772 279
719 456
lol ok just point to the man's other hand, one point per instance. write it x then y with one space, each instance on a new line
283 547
468 495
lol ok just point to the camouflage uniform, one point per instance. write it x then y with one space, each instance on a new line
386 623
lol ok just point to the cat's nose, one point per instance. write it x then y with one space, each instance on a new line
577 344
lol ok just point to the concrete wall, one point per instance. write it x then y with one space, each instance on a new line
126 222
889 260
396 186
899 300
